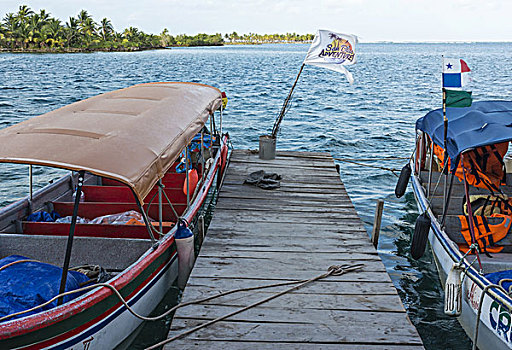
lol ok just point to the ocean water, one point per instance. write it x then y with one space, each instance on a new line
373 119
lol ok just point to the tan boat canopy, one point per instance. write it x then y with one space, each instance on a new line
132 135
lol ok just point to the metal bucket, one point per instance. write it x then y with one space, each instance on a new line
267 147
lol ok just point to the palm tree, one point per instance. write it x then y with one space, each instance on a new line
10 26
23 34
24 13
131 34
52 32
106 29
44 16
71 31
87 26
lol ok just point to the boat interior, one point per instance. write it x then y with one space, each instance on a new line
433 185
111 246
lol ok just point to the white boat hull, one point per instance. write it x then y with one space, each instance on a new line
495 328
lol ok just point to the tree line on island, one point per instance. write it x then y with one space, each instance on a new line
30 31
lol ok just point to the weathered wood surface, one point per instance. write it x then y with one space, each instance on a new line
260 237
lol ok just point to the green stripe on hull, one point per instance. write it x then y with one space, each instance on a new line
52 331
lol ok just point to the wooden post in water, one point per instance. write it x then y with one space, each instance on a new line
376 222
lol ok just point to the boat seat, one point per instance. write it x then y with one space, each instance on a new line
170 179
497 262
124 194
110 253
87 230
91 210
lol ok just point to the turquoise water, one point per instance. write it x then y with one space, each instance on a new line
374 118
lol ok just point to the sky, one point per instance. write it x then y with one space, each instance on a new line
370 20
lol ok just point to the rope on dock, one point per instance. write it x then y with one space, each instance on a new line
356 161
334 270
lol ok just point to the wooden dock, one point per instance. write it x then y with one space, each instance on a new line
296 232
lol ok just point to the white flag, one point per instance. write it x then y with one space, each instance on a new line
333 51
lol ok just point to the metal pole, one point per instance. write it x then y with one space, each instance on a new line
160 205
445 156
220 122
279 119
211 125
430 168
69 246
146 220
30 181
421 150
202 155
186 176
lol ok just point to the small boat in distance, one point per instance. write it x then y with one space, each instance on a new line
466 214
101 222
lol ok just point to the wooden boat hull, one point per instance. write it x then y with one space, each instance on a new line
495 328
97 319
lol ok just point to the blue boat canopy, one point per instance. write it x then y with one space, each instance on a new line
484 123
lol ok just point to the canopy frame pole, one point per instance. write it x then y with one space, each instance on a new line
30 181
160 205
145 218
186 175
421 149
220 120
211 125
69 246
279 119
470 214
447 202
202 155
430 167
445 157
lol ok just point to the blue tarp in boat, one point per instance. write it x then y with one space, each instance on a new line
28 284
484 123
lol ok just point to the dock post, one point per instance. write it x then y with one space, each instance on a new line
376 222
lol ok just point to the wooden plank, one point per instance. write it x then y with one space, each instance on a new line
285 184
193 343
289 255
259 237
200 287
275 325
267 245
298 300
292 230
293 216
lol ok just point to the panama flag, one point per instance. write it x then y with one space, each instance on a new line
455 73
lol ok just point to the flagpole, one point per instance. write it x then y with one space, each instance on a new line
279 119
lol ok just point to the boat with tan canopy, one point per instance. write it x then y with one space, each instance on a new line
143 162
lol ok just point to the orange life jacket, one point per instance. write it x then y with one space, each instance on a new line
484 165
486 235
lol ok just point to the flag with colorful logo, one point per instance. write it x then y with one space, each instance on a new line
333 51
455 76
